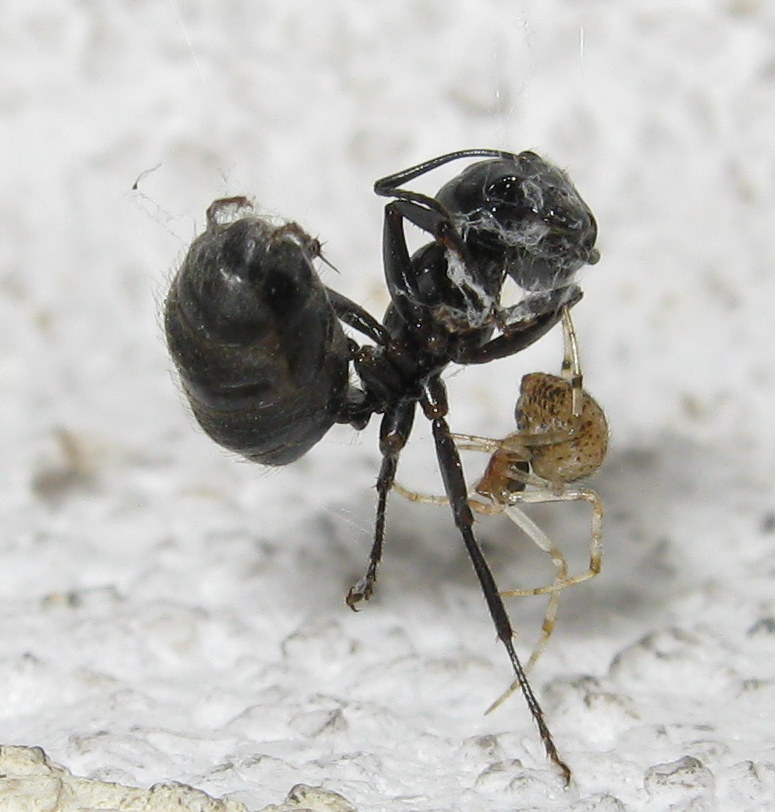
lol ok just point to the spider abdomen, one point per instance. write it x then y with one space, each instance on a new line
545 407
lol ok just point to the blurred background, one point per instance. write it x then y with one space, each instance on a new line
170 612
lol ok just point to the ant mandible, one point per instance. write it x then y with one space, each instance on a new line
265 363
561 438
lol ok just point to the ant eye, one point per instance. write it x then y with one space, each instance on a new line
506 195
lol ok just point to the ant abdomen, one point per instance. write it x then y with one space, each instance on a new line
260 352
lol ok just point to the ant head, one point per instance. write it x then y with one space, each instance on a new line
526 216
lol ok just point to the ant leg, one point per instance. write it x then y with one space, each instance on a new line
547 627
522 332
562 581
455 486
357 317
400 275
397 263
394 432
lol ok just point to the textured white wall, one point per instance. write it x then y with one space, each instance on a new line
169 613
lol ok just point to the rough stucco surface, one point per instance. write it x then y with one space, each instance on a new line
168 613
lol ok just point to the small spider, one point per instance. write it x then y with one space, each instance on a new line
562 437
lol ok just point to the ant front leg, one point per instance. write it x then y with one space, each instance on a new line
434 405
394 432
401 269
524 327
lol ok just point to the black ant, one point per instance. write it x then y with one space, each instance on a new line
263 358
561 437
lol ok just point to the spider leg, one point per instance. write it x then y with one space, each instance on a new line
568 494
550 619
571 365
530 528
474 442
394 432
431 499
434 405
561 581
539 537
534 532
423 498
